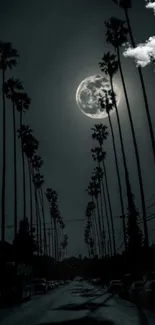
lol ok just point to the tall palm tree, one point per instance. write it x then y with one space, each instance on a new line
30 146
116 34
38 180
100 134
89 213
22 104
106 102
52 198
8 59
99 155
125 5
98 176
37 163
11 89
94 190
109 65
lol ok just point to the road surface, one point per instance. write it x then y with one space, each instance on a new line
74 302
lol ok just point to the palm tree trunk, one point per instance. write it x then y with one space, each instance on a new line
52 236
23 165
128 187
43 216
102 219
3 163
136 153
96 230
118 176
43 211
55 242
109 203
106 211
143 88
94 233
37 225
100 228
40 228
49 242
31 201
15 171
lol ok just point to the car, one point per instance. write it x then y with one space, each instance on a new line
40 285
127 281
149 293
136 290
115 286
50 285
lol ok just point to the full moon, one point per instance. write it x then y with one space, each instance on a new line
87 95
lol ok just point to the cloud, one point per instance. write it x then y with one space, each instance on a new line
144 52
150 5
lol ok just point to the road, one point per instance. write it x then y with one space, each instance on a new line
74 302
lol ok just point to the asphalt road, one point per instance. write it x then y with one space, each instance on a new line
78 303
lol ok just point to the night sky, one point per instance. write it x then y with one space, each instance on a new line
60 43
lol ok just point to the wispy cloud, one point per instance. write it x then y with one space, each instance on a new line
143 53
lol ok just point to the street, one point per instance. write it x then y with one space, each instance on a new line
74 302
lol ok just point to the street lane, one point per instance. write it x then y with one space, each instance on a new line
75 301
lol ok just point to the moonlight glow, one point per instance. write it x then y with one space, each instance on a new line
87 95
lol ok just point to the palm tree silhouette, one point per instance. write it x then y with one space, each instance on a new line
99 155
8 59
116 34
22 104
106 102
98 176
11 89
38 181
89 213
109 65
30 146
37 163
125 5
94 190
52 198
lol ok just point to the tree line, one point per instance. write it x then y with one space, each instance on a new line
99 211
13 92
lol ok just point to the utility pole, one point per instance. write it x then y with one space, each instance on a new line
124 231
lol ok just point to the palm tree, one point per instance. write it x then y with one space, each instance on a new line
99 156
116 34
8 59
52 198
100 134
37 163
30 146
127 5
94 190
98 176
109 65
106 103
38 181
11 89
89 213
22 104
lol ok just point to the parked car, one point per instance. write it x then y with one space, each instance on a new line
56 284
127 281
50 285
61 282
135 291
115 286
40 285
149 293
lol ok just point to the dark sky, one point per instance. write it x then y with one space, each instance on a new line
60 44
